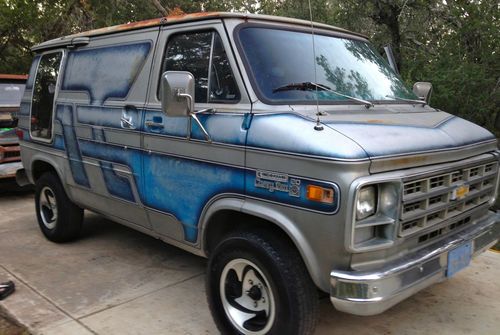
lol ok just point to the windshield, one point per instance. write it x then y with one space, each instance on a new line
278 58
11 94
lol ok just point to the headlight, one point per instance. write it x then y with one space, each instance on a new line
375 215
366 203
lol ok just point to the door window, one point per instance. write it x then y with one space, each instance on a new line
203 54
43 95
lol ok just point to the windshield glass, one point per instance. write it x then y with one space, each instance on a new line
11 94
350 67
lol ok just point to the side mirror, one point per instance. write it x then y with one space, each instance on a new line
423 90
177 93
177 98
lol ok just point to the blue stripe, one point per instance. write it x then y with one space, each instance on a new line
64 114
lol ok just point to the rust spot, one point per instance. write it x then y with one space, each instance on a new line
147 23
121 27
13 76
410 160
379 121
10 153
399 163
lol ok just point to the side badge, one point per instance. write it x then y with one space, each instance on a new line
275 181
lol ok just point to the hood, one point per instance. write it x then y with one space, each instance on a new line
402 140
389 138
393 134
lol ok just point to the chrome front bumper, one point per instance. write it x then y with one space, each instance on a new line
370 293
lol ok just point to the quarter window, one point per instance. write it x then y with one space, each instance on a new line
203 54
44 91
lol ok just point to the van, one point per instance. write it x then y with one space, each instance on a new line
292 156
11 92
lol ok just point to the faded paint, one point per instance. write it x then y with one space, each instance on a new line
106 72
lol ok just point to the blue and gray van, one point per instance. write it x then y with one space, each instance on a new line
292 156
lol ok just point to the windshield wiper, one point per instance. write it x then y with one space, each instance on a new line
310 86
407 100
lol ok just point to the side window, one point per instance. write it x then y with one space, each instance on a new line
44 90
191 52
222 84
203 55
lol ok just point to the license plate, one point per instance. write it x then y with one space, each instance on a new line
459 259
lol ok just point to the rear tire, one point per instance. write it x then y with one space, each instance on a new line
257 284
58 217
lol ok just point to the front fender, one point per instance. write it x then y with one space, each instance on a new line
262 210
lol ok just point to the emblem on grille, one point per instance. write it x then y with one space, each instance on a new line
460 192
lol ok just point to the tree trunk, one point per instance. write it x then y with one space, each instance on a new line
387 14
160 8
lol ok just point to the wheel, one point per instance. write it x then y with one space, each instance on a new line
59 219
257 284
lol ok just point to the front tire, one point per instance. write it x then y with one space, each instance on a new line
257 284
60 220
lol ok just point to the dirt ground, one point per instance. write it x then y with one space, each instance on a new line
9 328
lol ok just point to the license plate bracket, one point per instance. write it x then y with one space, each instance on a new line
459 258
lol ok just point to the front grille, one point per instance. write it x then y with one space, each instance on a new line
432 200
448 228
11 154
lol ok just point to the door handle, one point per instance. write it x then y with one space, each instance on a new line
153 124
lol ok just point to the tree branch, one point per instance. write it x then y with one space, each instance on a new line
160 8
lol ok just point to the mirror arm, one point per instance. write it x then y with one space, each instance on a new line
207 110
188 97
207 136
193 116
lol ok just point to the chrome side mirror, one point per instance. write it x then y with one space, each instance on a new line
177 98
423 90
177 93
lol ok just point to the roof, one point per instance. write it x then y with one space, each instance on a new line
82 38
13 77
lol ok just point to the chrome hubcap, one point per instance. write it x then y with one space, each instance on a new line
247 297
48 207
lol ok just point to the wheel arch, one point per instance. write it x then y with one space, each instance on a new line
40 165
219 220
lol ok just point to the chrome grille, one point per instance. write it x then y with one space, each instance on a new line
431 200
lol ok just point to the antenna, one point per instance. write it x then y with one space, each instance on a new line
318 125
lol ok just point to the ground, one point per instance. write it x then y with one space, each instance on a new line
115 280
7 327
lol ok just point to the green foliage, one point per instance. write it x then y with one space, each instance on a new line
452 43
462 61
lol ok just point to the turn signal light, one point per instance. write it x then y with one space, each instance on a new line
320 194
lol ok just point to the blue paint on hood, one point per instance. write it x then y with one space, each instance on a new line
291 133
408 133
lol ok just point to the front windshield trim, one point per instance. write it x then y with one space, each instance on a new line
260 94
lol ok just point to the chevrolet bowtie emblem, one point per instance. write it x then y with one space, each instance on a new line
460 192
